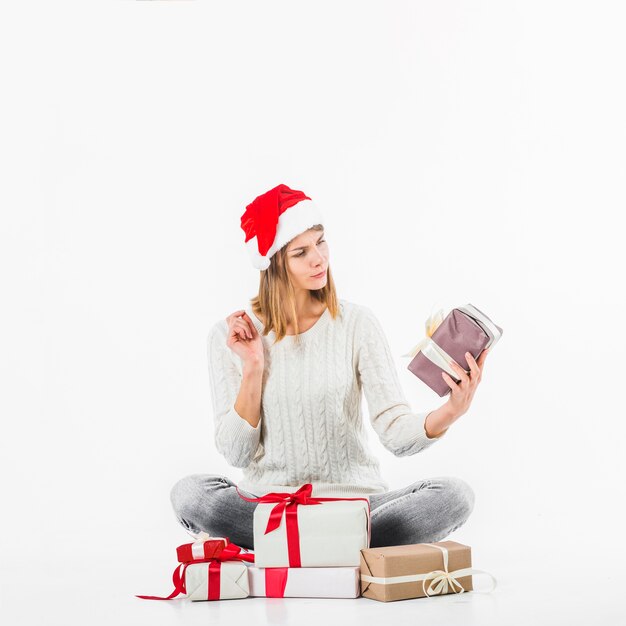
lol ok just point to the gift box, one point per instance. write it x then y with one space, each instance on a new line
220 577
465 329
216 580
204 547
298 530
304 582
417 570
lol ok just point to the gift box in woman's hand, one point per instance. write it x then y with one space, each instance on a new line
465 329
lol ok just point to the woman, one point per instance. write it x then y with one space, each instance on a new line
287 375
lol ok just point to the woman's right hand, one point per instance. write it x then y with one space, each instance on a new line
244 339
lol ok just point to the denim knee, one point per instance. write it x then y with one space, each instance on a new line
186 492
462 494
458 493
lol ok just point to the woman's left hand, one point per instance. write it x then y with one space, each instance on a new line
461 393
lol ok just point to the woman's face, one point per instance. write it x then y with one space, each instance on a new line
307 255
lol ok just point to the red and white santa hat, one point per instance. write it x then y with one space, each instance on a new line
273 219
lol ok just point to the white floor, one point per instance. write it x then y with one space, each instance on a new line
571 586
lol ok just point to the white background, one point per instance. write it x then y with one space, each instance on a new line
460 151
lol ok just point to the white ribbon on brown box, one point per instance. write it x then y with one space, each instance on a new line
440 578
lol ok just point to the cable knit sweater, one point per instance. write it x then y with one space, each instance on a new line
311 427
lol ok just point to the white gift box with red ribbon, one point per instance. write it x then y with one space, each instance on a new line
230 584
298 530
221 576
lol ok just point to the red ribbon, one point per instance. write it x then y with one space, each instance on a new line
289 502
231 552
276 581
210 548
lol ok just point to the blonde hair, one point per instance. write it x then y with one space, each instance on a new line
276 301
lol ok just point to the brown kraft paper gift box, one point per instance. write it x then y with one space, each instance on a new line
407 560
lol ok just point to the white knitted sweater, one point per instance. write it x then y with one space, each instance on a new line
311 428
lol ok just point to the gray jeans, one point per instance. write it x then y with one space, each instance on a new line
425 511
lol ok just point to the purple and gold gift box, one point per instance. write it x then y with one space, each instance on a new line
464 329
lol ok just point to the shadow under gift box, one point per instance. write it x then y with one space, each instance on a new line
390 562
465 329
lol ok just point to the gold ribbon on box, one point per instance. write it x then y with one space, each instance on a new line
442 580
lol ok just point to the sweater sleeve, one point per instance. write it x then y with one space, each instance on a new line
235 438
399 429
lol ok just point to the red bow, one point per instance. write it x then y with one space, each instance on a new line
231 552
289 502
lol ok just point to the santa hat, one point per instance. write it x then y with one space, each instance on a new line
273 219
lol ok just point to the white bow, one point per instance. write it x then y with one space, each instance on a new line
432 323
432 351
442 577
440 583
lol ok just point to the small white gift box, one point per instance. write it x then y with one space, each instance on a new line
216 580
221 576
